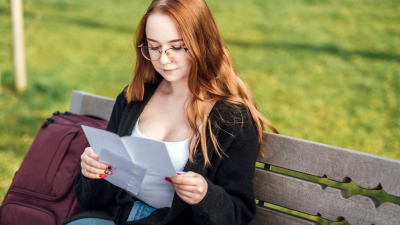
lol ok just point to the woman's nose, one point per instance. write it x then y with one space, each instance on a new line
164 58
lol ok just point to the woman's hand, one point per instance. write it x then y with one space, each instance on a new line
91 167
191 187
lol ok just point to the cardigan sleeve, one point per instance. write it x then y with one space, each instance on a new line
230 197
98 193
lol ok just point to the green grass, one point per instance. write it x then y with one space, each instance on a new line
325 71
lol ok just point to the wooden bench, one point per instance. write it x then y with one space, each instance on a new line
337 164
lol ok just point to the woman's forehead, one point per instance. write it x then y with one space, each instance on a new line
161 28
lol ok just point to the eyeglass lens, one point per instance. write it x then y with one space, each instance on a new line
174 54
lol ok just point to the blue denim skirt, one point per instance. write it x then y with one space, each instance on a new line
139 211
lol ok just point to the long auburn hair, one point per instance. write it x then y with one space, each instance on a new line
213 73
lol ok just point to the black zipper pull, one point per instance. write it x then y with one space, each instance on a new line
48 121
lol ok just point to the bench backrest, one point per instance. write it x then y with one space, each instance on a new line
305 196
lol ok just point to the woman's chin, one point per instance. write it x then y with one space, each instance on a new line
173 77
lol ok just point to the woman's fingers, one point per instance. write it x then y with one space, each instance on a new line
93 163
190 187
185 197
89 152
86 171
91 167
92 175
190 197
91 159
188 180
91 172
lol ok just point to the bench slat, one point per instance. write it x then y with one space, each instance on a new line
320 199
338 164
86 103
274 217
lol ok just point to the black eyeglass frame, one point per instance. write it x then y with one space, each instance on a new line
141 47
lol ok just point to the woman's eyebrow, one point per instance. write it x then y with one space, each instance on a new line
175 40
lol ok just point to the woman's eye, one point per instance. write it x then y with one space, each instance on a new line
153 48
177 48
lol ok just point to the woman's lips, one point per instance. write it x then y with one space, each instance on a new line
168 70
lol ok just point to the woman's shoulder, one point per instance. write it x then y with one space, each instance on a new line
121 99
233 119
229 112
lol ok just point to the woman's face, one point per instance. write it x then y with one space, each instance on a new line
162 33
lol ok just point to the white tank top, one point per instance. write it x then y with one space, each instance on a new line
155 190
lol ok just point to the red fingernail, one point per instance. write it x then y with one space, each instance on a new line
168 179
178 173
102 175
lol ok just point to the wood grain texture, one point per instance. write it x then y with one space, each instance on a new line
338 164
86 103
268 216
97 106
319 199
75 105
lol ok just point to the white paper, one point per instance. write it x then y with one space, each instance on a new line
100 138
133 157
126 175
152 153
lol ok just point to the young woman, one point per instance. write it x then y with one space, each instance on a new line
185 92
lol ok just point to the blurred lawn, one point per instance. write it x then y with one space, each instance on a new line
325 71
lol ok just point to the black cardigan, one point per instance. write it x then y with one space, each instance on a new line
230 196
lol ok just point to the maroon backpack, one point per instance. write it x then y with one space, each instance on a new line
42 190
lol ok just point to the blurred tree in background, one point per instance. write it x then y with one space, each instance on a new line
325 71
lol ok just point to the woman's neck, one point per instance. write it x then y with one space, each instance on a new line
174 90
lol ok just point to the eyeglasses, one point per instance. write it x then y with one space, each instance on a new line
174 54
